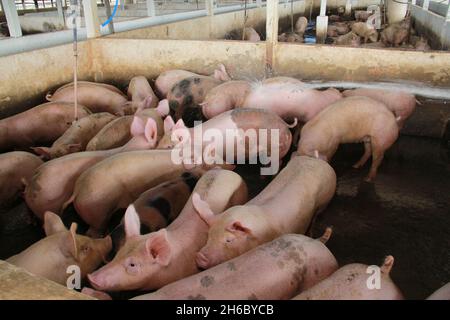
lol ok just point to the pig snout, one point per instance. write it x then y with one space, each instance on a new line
202 260
100 279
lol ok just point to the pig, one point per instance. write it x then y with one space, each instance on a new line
87 83
159 206
118 181
95 97
168 79
290 100
276 270
15 167
290 37
365 31
52 185
250 34
61 248
148 262
351 120
76 137
348 39
340 27
362 16
141 95
300 25
422 44
117 133
351 283
42 124
239 122
186 95
287 205
224 97
402 104
396 34
441 294
334 18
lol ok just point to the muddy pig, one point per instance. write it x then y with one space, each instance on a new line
52 184
141 95
351 282
51 256
15 167
159 206
362 16
39 125
76 137
349 39
186 95
287 205
421 44
353 119
442 293
402 104
224 97
166 80
365 31
300 25
276 270
290 37
96 97
250 34
396 34
148 262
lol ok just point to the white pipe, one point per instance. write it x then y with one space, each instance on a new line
12 18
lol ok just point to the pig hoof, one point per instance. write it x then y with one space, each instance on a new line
368 179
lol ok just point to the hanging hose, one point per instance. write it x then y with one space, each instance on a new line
245 20
310 10
75 58
292 16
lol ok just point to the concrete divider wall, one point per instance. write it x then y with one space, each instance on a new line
432 26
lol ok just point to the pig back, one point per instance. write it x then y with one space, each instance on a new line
275 270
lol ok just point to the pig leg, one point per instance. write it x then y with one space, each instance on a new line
377 157
366 155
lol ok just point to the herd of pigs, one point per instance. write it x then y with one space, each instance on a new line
190 231
357 33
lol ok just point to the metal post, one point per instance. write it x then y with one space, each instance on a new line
322 23
448 13
60 10
91 18
413 2
271 31
151 12
348 8
426 4
108 13
209 7
259 3
12 18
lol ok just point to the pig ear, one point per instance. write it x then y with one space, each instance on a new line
387 264
209 154
158 246
69 242
202 208
168 124
237 226
43 152
151 131
137 127
163 108
179 125
74 147
53 223
132 222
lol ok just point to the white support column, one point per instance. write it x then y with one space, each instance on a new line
59 7
322 23
447 18
12 18
426 4
348 7
271 30
91 18
413 2
209 7
108 14
151 12
259 3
